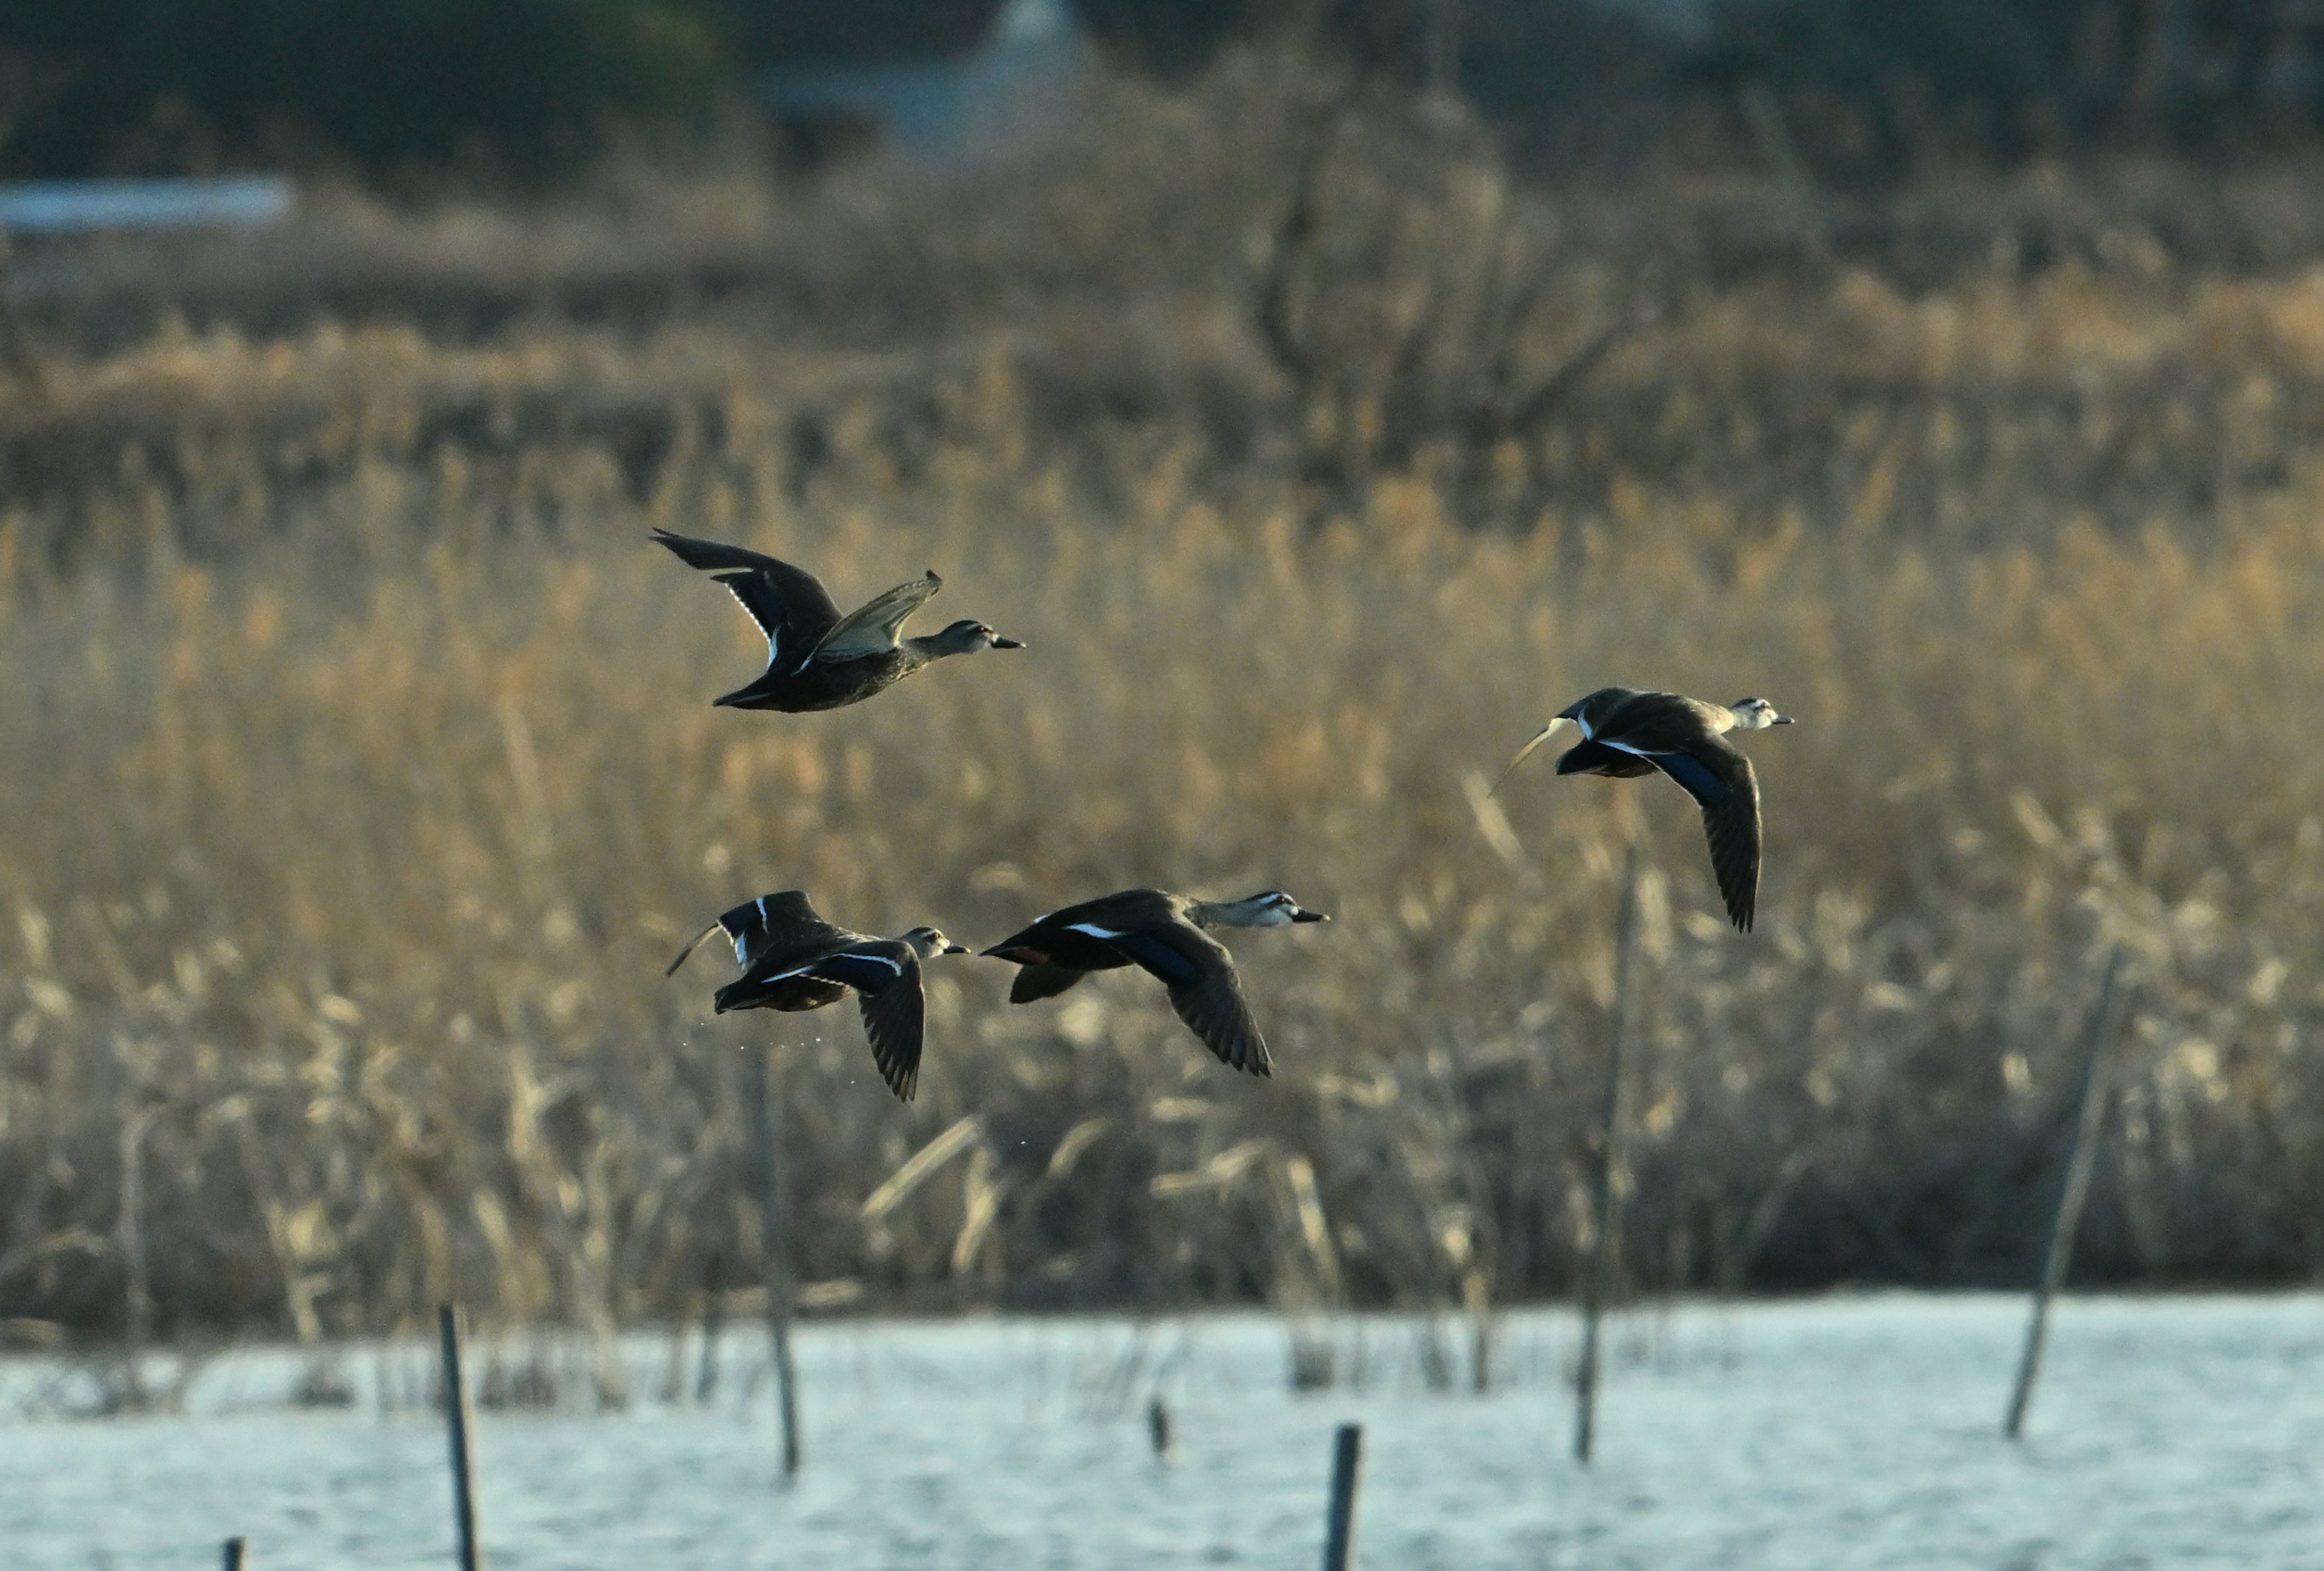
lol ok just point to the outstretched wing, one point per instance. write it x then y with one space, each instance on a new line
1040 980
1214 1011
1204 989
1540 736
871 628
886 975
791 606
1721 782
756 926
1599 758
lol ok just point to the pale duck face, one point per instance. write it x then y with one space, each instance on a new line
927 943
1756 715
1275 909
974 637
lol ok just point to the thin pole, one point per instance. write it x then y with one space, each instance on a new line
2098 1026
456 1418
1597 1274
234 1549
1340 1526
1159 1430
714 1322
774 1208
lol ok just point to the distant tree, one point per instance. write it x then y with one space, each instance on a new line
772 32
158 86
1868 83
1173 39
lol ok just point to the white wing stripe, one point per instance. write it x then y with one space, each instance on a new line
1092 929
746 605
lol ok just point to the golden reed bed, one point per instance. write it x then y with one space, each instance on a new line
360 775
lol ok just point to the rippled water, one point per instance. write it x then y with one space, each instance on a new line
1848 1432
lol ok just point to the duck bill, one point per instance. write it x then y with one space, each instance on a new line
1309 917
1781 720
1008 643
956 949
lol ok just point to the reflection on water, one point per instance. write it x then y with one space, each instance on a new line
1855 1432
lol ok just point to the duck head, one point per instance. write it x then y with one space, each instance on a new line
1268 909
967 638
1756 715
928 943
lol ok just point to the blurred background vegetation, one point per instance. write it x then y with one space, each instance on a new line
1323 411
533 88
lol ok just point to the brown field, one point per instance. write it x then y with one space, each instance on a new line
360 771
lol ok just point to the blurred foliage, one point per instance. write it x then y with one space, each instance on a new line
362 777
164 85
1871 87
783 31
1847 91
1175 37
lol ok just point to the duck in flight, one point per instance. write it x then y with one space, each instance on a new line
793 959
817 659
1627 733
1163 934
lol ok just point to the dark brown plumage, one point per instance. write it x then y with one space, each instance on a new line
792 959
1627 733
1162 934
817 659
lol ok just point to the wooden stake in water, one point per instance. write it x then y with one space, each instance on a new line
1340 1526
1159 1430
714 1324
2096 1029
234 1549
774 1209
456 1418
1597 1274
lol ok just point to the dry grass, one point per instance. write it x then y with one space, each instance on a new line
360 776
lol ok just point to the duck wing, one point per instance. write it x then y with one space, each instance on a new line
1721 782
1042 980
886 975
772 921
791 606
871 628
1598 758
786 991
1214 1010
1080 938
1538 737
757 926
1205 990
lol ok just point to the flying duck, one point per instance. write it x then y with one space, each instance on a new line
817 659
793 959
1627 733
1161 933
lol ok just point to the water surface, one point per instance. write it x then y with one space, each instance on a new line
1857 1432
